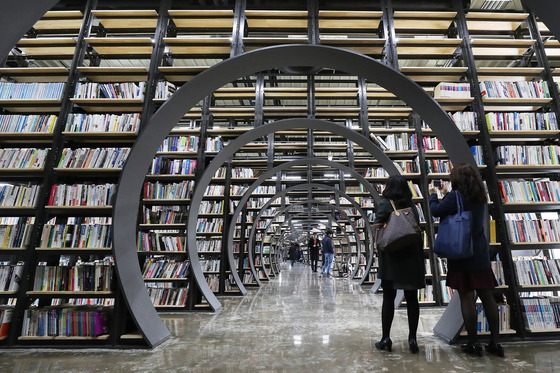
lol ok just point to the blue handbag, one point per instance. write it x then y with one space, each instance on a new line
454 240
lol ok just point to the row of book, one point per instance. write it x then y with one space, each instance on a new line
526 227
452 90
93 90
210 265
465 120
430 143
498 269
88 276
482 325
539 271
407 167
27 123
541 313
238 190
541 190
213 282
214 190
211 207
179 144
426 294
76 234
521 121
168 296
158 268
16 231
18 195
265 189
214 144
209 246
396 142
256 203
81 195
26 91
164 215
440 166
517 89
164 90
209 225
10 277
166 166
160 242
65 322
129 122
242 173
22 158
93 158
534 155
159 190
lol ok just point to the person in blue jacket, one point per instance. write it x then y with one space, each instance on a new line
473 274
328 252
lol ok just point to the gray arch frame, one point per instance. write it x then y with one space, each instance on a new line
311 185
127 199
359 139
280 194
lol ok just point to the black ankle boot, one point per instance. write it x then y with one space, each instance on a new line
384 344
495 349
413 345
472 349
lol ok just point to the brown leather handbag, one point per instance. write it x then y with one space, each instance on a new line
399 231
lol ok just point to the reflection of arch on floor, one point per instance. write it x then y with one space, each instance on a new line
283 193
127 199
250 244
303 214
365 143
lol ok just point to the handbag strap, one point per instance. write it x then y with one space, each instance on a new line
459 203
394 207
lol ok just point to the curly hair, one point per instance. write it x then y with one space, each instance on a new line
467 180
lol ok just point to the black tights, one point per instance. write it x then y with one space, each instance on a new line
468 310
388 311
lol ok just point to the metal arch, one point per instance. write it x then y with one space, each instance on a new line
127 199
304 161
308 185
317 202
252 234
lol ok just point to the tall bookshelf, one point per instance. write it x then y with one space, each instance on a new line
79 57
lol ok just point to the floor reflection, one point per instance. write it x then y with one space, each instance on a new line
297 322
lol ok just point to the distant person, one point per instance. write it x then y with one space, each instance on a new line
313 246
474 273
293 253
403 269
328 252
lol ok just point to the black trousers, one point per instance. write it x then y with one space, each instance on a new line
314 262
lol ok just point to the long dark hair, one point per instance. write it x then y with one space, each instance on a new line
397 189
467 181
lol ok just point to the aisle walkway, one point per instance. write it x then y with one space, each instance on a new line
296 323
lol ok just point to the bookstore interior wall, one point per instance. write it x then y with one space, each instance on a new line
78 90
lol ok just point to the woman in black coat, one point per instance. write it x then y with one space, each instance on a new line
403 269
474 273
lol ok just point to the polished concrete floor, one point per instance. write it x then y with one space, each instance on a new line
296 323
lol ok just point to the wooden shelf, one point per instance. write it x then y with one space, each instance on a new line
423 21
180 74
349 21
434 74
73 294
62 20
494 22
512 73
199 46
36 74
72 249
114 74
427 47
169 306
277 19
500 48
367 46
169 177
111 105
84 170
31 105
200 19
60 338
48 47
515 134
127 19
112 46
146 279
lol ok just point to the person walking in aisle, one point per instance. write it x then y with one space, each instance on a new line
328 252
473 273
294 255
313 246
403 269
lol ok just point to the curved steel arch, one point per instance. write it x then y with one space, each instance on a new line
308 185
280 194
169 114
366 144
317 202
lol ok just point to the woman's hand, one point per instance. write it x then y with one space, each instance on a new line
433 190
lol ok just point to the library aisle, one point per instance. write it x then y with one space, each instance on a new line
297 322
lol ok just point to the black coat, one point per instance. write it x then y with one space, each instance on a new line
405 268
314 245
481 256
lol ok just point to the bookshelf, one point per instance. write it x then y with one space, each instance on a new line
151 52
